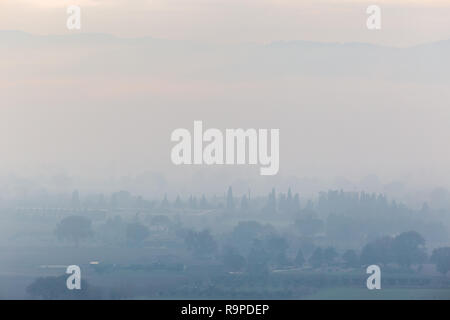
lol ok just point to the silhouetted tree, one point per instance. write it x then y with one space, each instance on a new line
244 203
289 200
377 252
329 255
441 257
178 204
271 206
74 228
350 258
316 260
165 203
282 203
408 248
289 204
299 258
309 225
276 247
246 232
201 243
258 260
296 203
193 202
136 233
232 260
230 200
204 203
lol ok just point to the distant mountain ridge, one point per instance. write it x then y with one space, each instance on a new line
422 63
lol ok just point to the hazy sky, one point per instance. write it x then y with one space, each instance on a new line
404 22
104 107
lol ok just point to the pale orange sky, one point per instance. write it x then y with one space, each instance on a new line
404 22
107 109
